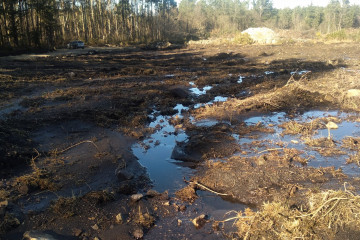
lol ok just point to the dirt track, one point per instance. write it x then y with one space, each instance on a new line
69 121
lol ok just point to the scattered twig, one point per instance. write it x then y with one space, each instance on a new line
33 164
210 190
314 213
77 144
205 187
270 149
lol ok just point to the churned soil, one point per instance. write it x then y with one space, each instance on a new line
68 120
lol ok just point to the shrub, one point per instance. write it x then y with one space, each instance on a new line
243 38
339 35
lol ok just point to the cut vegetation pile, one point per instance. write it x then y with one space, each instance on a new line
326 215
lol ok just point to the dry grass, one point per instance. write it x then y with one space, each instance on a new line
327 90
354 159
324 215
65 207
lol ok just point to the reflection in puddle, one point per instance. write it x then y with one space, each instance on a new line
300 72
199 92
155 154
269 72
350 70
205 122
180 108
219 99
241 78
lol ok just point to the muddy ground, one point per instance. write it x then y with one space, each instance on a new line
69 121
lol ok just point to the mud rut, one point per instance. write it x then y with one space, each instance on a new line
241 126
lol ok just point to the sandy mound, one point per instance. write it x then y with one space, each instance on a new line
262 35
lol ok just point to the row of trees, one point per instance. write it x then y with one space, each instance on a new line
219 17
50 23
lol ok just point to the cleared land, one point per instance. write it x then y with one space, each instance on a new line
69 121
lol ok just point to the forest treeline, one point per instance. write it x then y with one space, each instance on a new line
31 24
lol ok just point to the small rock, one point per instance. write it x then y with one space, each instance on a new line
37 235
179 126
152 193
96 238
138 233
179 92
136 197
123 175
71 74
8 222
4 203
353 93
23 189
199 221
77 232
179 222
95 227
167 203
119 218
295 141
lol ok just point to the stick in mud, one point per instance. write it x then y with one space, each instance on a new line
205 188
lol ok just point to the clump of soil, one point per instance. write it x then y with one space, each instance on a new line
355 158
325 146
187 194
205 143
352 143
15 147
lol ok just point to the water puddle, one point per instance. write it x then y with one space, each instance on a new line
154 153
277 140
299 72
199 92
12 107
269 72
217 99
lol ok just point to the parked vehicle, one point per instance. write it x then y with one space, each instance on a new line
76 44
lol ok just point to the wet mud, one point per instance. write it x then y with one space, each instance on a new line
127 143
